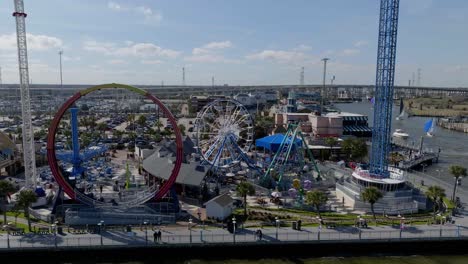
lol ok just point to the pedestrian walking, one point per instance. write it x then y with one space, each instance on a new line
260 235
155 237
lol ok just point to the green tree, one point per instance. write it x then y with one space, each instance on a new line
243 189
142 120
102 127
182 129
395 158
25 199
158 124
371 195
435 194
5 189
331 141
457 172
316 198
355 149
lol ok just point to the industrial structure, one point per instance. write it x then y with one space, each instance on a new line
386 52
28 135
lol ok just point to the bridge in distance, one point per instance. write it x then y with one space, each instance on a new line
332 91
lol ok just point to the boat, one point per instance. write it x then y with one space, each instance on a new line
429 127
399 133
402 110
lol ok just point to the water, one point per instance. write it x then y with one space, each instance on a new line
454 149
334 260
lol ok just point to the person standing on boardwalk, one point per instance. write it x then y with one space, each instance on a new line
159 235
155 237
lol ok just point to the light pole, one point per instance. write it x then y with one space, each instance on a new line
277 221
100 229
145 223
61 80
6 227
190 228
234 229
319 228
359 225
324 80
54 229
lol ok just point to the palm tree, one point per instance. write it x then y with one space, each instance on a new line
371 195
457 172
25 199
5 189
243 189
435 193
142 120
395 158
316 198
331 141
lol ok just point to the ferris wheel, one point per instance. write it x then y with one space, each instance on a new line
224 133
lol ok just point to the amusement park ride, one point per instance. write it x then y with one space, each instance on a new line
293 166
225 136
225 131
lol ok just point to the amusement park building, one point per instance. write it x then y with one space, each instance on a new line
219 207
8 161
330 125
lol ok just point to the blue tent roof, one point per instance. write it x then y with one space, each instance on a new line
273 142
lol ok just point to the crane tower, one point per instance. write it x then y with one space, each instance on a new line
28 136
386 52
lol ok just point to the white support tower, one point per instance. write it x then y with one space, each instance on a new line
1 77
28 136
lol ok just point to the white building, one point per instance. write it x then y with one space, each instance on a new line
219 207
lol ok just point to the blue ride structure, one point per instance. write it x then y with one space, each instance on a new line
385 75
75 157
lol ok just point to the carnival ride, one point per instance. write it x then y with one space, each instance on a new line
293 166
70 180
224 135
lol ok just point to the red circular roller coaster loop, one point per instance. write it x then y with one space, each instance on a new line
52 160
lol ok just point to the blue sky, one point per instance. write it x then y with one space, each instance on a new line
238 42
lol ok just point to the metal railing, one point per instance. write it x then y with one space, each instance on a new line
199 236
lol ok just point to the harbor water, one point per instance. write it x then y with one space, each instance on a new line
452 144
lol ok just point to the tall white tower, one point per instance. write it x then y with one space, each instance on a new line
28 136
301 81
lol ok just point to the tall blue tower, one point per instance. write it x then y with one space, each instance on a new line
386 52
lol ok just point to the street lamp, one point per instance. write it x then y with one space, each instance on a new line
54 229
359 225
234 229
100 224
324 79
277 221
190 228
6 227
320 227
145 223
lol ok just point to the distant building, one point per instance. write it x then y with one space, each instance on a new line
9 163
220 207
198 102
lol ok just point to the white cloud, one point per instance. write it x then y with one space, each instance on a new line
151 61
211 52
114 6
360 43
135 49
218 45
116 62
34 42
151 16
303 47
351 52
278 55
